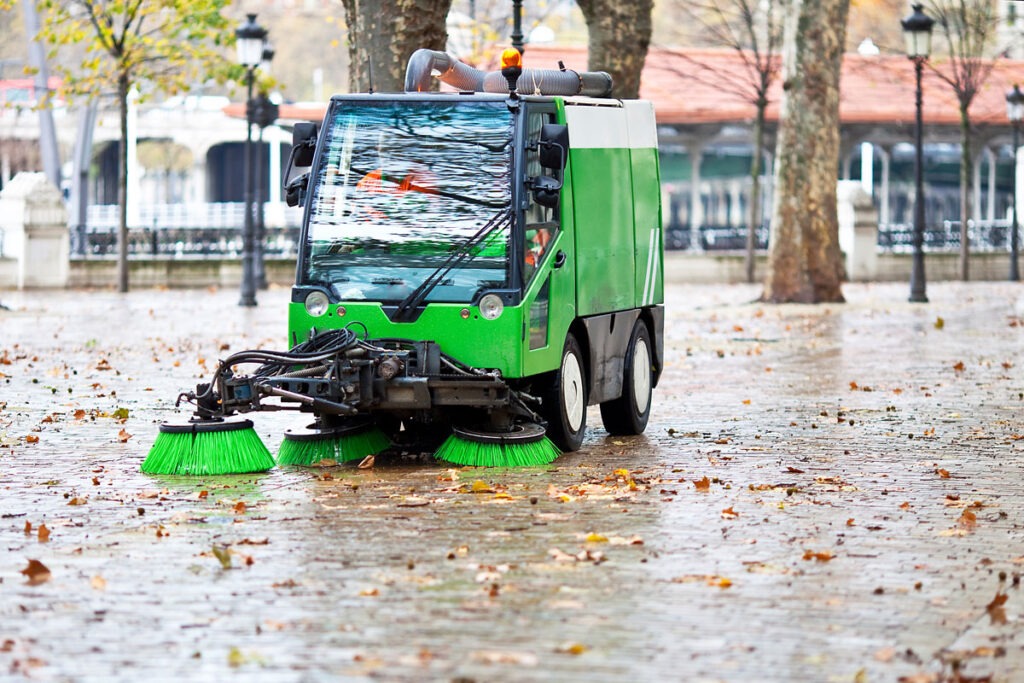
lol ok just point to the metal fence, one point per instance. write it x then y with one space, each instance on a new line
186 230
985 236
210 230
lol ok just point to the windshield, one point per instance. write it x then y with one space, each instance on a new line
401 186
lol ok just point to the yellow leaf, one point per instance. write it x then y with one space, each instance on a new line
481 487
596 538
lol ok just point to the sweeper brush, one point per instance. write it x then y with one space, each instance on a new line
314 445
524 446
201 447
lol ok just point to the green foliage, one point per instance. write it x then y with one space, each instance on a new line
165 45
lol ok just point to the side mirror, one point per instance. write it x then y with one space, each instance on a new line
304 143
546 190
554 146
295 190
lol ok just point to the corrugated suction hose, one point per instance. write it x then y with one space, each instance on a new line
450 70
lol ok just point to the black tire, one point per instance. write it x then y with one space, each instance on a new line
565 402
628 414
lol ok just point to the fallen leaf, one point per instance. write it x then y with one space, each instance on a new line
939 323
572 648
98 583
123 436
729 513
885 654
31 438
944 474
702 484
367 463
37 573
959 366
823 556
223 555
77 501
44 533
481 487
794 470
967 520
369 592
596 538
28 527
240 507
995 609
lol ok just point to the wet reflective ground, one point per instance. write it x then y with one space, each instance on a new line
828 493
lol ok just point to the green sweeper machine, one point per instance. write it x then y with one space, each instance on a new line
476 268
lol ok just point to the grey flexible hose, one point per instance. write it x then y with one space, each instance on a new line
461 76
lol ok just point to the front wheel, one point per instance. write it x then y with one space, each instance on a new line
628 414
565 401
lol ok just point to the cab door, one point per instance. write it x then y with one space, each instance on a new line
546 255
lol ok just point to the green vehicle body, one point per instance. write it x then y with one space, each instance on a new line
600 273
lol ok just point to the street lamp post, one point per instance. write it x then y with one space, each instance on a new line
917 29
1014 112
250 39
517 25
262 121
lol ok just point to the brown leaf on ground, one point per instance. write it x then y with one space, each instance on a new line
123 436
28 527
944 474
995 609
967 520
367 462
240 507
823 556
959 366
794 470
702 484
37 573
77 500
98 583
31 438
43 534
104 364
729 513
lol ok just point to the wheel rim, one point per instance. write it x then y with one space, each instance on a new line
641 376
572 391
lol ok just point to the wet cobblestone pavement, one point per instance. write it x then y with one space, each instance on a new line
828 493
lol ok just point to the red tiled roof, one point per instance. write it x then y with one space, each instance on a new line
692 86
698 86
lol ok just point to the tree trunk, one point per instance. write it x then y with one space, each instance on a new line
804 261
619 34
123 84
755 189
966 178
383 34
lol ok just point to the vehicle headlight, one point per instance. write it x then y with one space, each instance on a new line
317 303
491 306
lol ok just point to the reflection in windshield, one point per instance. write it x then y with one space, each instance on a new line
400 186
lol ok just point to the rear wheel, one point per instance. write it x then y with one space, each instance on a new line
629 413
565 402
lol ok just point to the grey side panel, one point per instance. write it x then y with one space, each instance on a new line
608 337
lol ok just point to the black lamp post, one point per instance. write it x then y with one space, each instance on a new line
250 39
267 114
517 25
917 29
1014 112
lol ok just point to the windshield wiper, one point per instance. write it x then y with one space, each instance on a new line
463 252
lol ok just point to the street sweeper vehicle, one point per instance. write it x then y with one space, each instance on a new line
476 268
